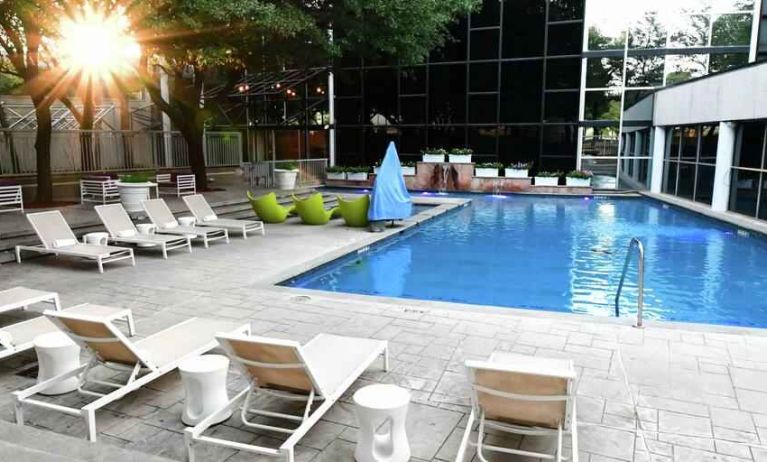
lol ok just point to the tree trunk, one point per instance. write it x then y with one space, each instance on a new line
88 159
194 140
43 151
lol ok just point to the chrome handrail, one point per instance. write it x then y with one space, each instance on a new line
640 280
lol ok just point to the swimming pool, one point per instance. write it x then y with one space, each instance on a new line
566 254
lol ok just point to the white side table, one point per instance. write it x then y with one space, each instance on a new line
204 379
96 238
146 229
187 221
56 354
379 406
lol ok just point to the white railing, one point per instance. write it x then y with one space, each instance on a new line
311 172
96 151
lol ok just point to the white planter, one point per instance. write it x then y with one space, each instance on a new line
433 158
285 179
459 158
582 182
336 175
546 181
408 171
516 173
486 172
375 170
132 194
357 176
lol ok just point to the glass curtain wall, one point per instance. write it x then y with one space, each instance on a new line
689 162
749 171
632 48
506 85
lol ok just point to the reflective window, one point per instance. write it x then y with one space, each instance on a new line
647 32
602 105
381 96
484 44
411 141
565 39
449 136
348 82
488 15
604 72
704 188
690 31
563 73
750 145
413 80
482 108
600 141
518 144
565 10
560 140
725 61
483 77
482 140
412 110
685 67
561 106
521 88
524 26
731 29
644 71
689 143
454 49
447 94
744 192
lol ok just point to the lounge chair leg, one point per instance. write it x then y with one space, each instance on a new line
226 233
244 233
290 457
18 407
101 265
189 445
165 251
18 255
132 258
189 244
205 241
465 440
90 422
386 359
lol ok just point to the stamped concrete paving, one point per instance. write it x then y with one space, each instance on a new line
668 392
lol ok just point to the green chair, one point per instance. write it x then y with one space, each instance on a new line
312 210
355 211
268 209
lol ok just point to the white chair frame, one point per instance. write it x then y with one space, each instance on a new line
102 191
194 435
570 427
11 199
143 372
185 184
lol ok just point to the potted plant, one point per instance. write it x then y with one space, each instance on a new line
285 176
460 155
547 178
488 170
357 173
580 178
336 172
134 188
433 155
517 170
408 168
376 166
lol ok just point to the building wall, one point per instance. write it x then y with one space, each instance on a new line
507 86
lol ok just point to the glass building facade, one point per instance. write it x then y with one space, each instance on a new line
544 81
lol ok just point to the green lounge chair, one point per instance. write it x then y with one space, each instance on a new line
355 211
312 210
268 209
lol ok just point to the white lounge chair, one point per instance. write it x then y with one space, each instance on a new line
205 215
144 360
58 239
523 395
19 337
323 369
161 216
122 230
21 297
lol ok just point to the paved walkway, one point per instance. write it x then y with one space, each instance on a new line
668 392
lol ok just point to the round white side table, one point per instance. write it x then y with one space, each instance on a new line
146 229
385 407
187 221
56 354
96 238
204 379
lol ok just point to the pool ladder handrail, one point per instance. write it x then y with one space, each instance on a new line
635 243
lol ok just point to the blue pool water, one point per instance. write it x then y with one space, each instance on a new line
566 254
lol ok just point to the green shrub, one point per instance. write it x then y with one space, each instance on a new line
287 166
408 163
435 151
139 177
335 169
549 174
583 174
461 151
358 169
496 165
520 165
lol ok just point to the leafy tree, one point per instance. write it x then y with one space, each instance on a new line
192 40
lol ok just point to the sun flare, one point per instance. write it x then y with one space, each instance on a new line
98 44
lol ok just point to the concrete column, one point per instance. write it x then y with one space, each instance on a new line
167 127
725 150
331 112
658 151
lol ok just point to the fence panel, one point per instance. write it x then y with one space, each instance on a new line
311 172
94 151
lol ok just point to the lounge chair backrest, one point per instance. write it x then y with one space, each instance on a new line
520 396
199 207
99 336
51 228
158 212
115 219
270 363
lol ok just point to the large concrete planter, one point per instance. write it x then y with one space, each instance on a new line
433 158
285 179
486 172
516 173
581 182
459 158
132 194
357 176
336 175
546 181
408 171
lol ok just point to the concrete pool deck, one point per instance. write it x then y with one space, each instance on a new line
669 392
